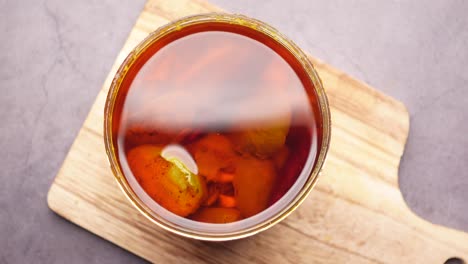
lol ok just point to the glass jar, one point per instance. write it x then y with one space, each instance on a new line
270 216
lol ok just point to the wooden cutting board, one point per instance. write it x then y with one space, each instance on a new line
355 214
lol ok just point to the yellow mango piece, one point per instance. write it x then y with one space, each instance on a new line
253 185
264 140
217 215
168 182
212 154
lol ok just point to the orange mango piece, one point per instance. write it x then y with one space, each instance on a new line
227 201
217 215
213 153
253 185
225 177
168 182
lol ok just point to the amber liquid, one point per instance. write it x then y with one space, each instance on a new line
232 106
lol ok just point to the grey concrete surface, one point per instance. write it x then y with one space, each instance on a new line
56 54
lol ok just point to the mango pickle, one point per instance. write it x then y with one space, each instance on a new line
262 142
235 106
217 215
213 153
168 182
253 184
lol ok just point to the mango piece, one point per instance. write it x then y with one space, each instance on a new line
227 201
224 177
217 215
262 142
168 182
212 154
253 185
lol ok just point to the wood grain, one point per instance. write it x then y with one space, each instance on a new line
356 213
